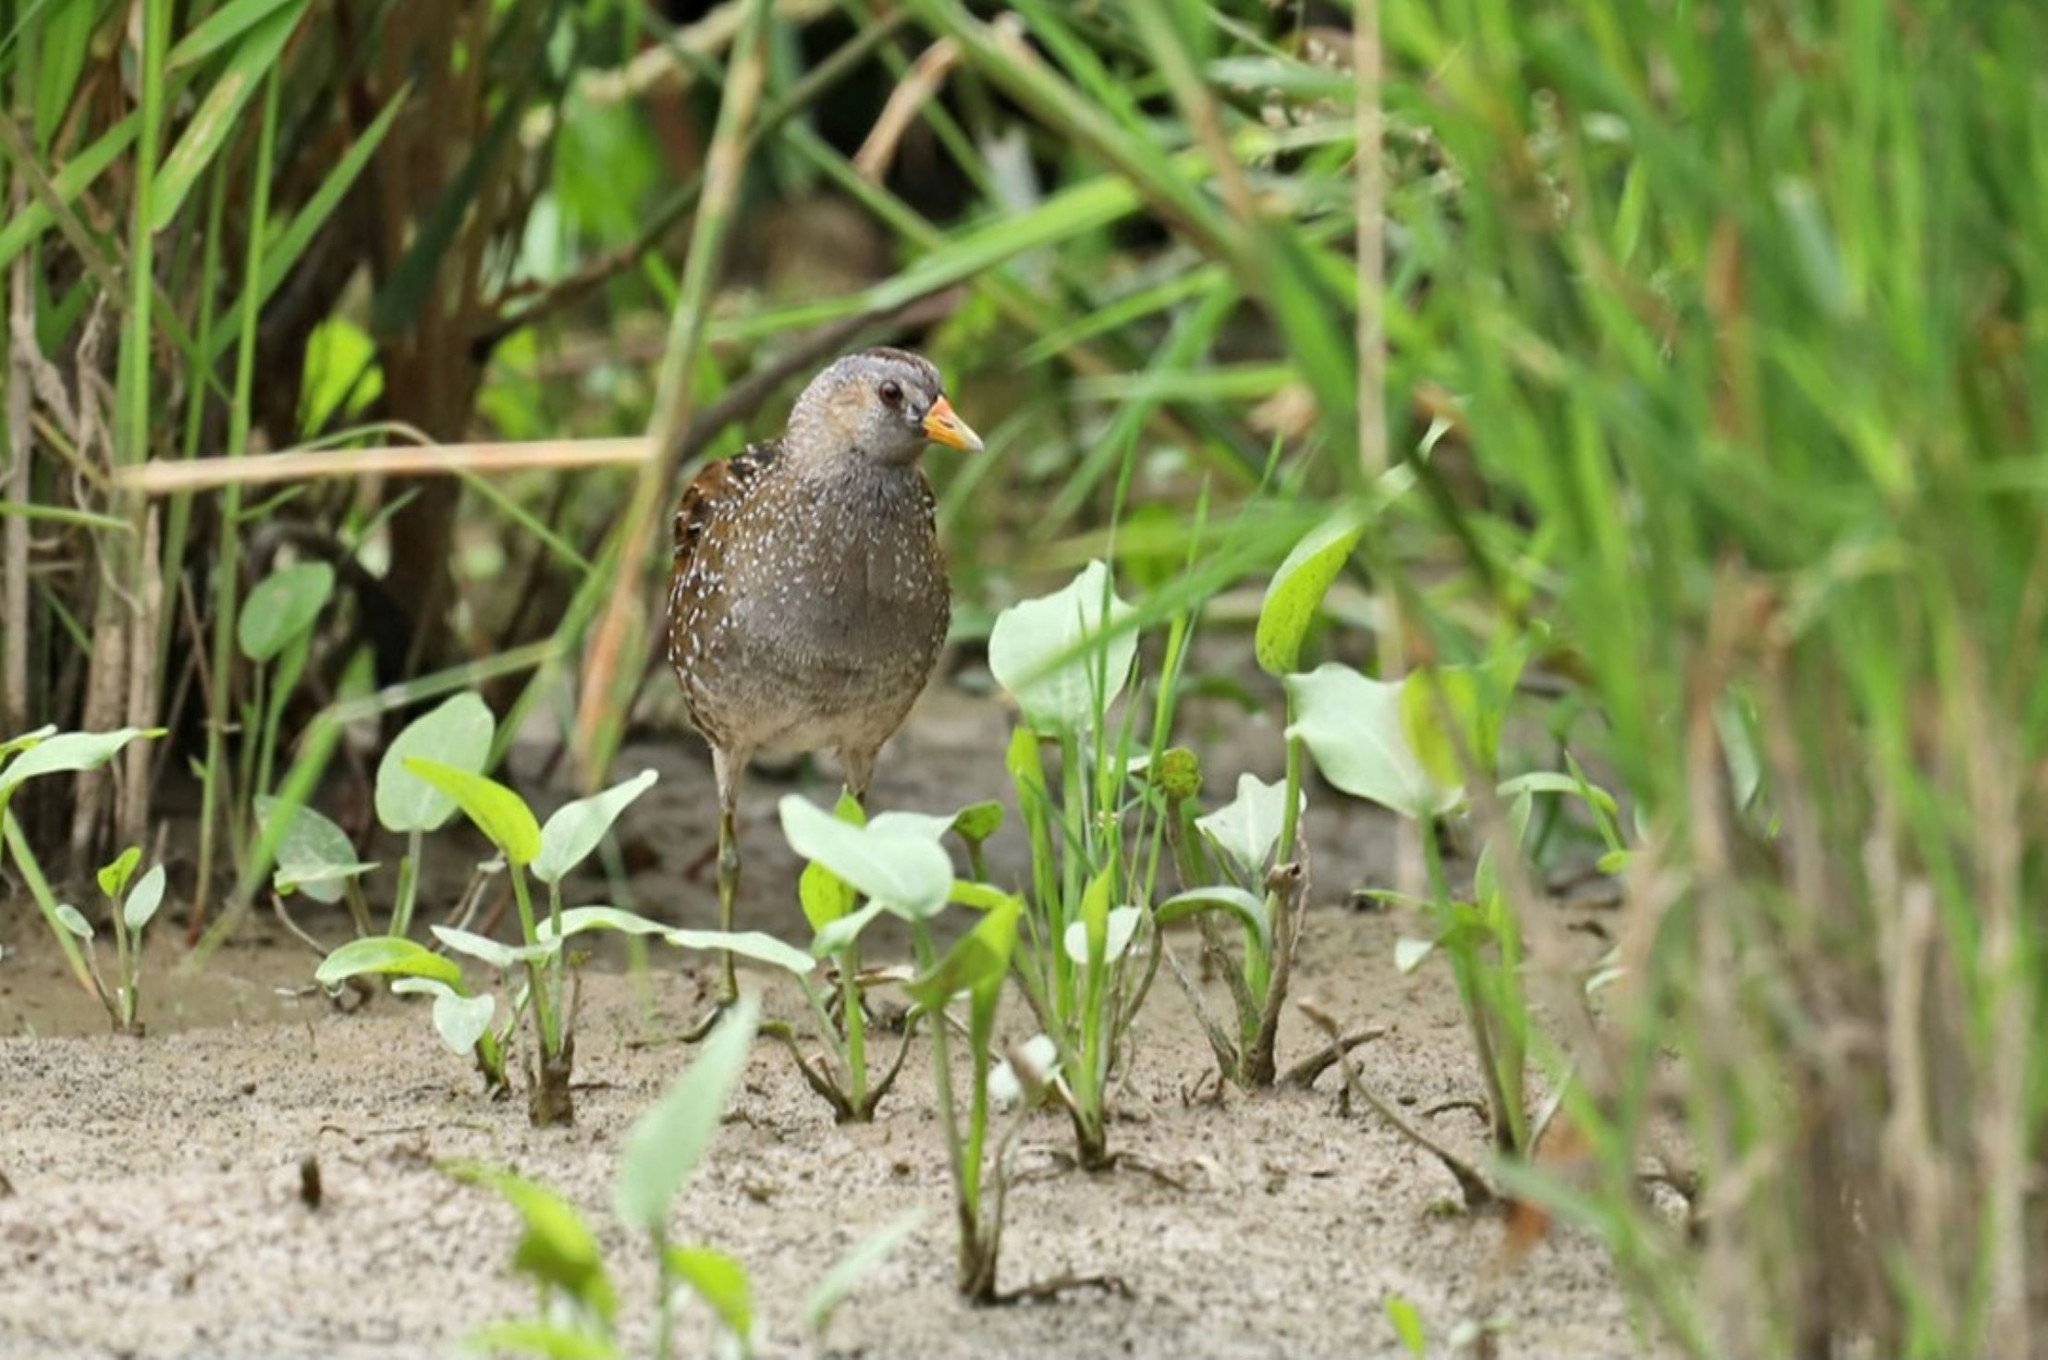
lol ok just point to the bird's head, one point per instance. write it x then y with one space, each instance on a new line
880 404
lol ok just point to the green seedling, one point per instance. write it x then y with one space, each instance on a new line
1243 864
1416 747
131 908
976 968
458 734
578 1306
275 634
31 755
896 863
463 1018
540 960
1086 955
315 857
896 854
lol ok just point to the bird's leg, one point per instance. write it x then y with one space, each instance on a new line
728 767
859 767
728 893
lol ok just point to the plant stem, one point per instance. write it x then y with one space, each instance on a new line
1073 863
1464 967
537 977
856 1028
966 1189
559 961
408 883
39 888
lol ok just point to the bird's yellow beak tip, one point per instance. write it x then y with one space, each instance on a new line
942 426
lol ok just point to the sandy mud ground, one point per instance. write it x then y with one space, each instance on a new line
152 1200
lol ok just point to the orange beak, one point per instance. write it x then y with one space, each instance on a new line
941 426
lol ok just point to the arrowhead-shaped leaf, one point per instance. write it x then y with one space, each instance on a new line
457 733
900 867
499 813
1354 728
1062 657
576 828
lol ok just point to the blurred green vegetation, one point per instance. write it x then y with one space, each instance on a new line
1706 361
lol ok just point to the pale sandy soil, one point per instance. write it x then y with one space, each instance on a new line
156 1210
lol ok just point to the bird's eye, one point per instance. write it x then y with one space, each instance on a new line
892 392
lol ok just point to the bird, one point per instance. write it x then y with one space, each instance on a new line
808 598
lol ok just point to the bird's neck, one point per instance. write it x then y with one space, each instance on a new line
840 476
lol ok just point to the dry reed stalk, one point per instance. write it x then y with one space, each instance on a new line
426 460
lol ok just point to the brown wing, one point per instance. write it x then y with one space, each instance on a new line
695 596
719 484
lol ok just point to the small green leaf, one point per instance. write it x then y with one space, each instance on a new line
27 739
314 855
340 380
836 935
577 920
459 1018
503 957
74 920
463 1020
457 733
824 895
978 821
576 828
974 964
1549 781
666 1145
1094 920
1120 926
1248 827
557 1248
148 895
979 896
499 813
1296 592
113 877
68 752
929 825
752 944
749 944
837 1284
901 868
721 1282
1063 657
1250 910
385 954
1407 1325
1354 729
1459 694
282 609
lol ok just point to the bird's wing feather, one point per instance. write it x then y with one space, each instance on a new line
720 484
